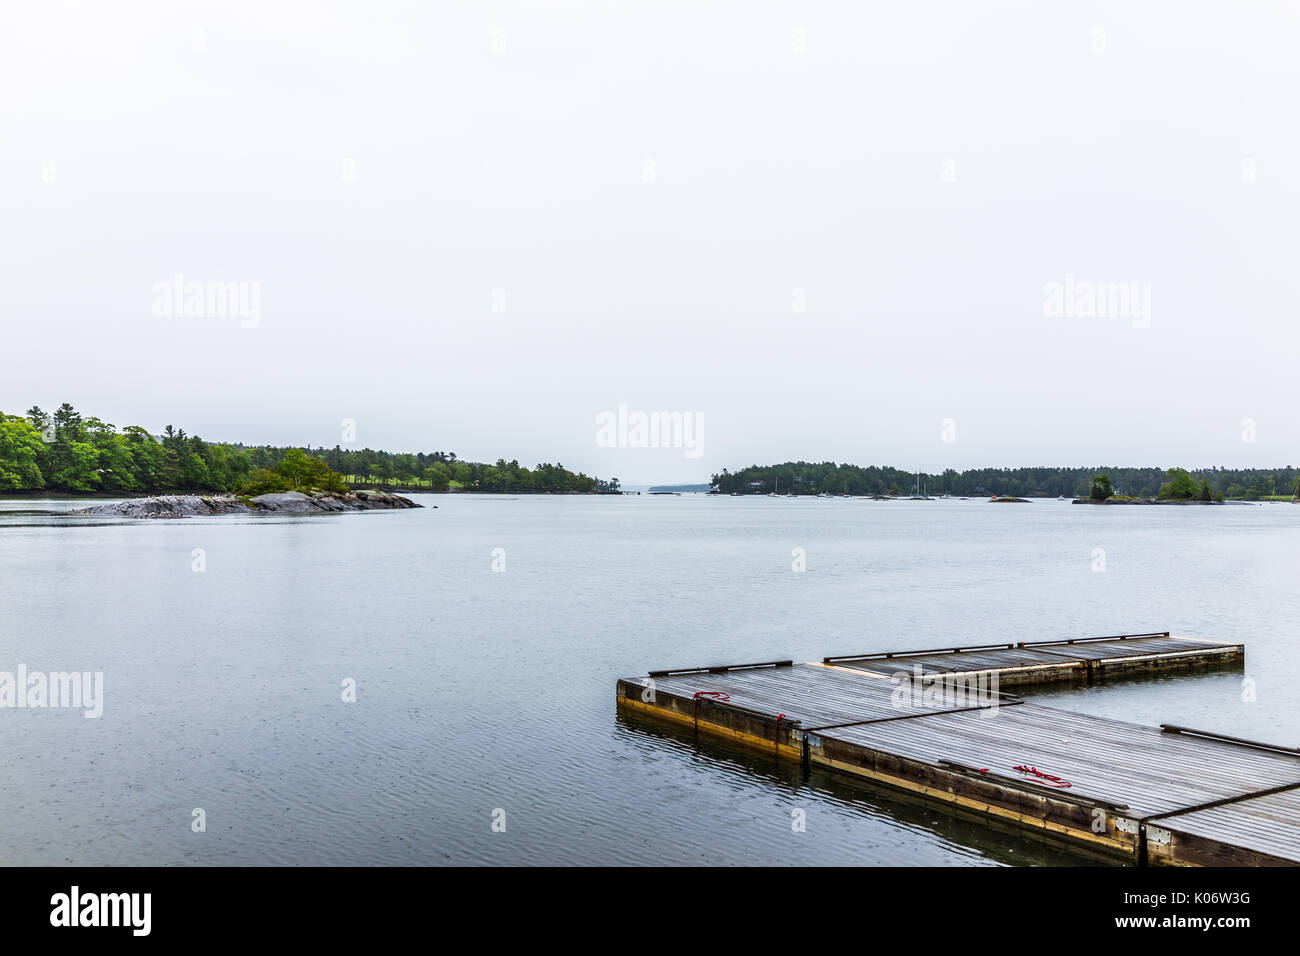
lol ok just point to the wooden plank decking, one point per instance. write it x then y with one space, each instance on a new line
1147 795
1267 826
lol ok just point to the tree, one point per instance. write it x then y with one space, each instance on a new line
116 465
67 423
438 476
1261 486
20 450
194 474
40 420
1101 488
296 468
304 471
406 467
80 467
146 457
262 482
67 452
1180 487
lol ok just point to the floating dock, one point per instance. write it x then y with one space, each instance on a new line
1087 659
1142 795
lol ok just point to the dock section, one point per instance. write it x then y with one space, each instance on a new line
1086 659
1143 795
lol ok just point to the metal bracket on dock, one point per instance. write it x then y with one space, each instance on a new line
1224 738
1158 836
1113 637
720 669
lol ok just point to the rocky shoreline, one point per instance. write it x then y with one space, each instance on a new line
285 502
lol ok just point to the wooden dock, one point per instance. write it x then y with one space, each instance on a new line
1143 795
1086 659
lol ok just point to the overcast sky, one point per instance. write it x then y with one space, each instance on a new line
821 230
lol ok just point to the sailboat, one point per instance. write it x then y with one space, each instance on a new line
917 494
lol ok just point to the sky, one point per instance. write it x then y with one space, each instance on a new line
927 235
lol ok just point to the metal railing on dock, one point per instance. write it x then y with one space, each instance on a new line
720 669
1008 646
1224 738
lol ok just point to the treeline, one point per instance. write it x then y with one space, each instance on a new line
811 478
64 451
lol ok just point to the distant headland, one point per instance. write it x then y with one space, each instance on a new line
1111 485
64 452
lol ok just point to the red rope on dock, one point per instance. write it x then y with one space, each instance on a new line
1049 779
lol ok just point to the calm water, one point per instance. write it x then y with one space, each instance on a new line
479 690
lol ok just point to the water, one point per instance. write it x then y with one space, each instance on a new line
480 691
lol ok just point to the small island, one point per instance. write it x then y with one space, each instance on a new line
1181 489
301 484
284 502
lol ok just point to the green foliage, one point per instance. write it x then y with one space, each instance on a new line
299 469
1180 487
305 472
438 476
444 472
77 466
803 478
1101 488
20 451
66 452
263 481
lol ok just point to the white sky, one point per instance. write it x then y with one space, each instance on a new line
794 146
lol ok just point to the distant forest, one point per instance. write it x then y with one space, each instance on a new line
809 478
63 451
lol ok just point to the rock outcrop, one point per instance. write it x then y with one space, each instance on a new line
285 502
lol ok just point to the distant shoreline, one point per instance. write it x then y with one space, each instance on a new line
393 490
1040 481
